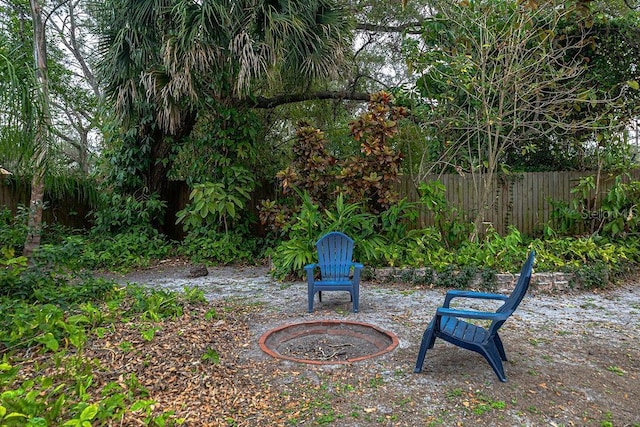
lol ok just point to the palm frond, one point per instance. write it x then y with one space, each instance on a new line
171 53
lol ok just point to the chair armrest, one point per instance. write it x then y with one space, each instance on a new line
357 269
470 294
310 273
468 314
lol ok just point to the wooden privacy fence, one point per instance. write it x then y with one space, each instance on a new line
73 211
521 200
68 210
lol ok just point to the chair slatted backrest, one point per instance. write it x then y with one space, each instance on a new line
522 285
335 252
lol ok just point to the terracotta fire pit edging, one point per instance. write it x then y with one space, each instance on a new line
327 324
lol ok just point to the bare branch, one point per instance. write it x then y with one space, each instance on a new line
266 103
408 28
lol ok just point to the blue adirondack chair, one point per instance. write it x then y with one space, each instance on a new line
335 260
448 324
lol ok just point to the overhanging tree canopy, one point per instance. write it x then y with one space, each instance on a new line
163 61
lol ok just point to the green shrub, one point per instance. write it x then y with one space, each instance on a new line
290 256
119 214
214 204
451 224
11 268
222 248
23 323
298 247
396 228
51 277
592 276
613 216
134 248
13 229
557 254
452 278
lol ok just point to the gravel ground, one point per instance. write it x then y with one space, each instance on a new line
574 358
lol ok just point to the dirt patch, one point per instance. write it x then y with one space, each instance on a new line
574 359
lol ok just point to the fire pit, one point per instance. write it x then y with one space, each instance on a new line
327 342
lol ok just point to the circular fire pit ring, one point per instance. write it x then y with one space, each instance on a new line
327 342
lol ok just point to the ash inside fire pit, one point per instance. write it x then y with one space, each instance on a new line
327 342
327 347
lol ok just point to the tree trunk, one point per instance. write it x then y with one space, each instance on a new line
36 206
36 203
156 178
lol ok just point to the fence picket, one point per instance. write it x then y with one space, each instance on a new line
521 200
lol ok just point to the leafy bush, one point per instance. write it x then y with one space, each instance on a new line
571 253
120 252
294 252
11 269
448 221
34 301
135 247
592 276
223 248
122 213
504 253
422 247
616 215
13 229
452 278
215 204
298 248
25 324
371 176
368 178
154 305
395 227
51 277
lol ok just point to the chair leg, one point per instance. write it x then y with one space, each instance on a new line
310 296
500 347
428 339
355 298
492 355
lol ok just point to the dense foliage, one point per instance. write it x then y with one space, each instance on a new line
368 177
199 62
538 85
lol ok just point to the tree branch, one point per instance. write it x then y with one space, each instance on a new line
409 28
262 102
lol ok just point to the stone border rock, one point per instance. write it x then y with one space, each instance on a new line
553 282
